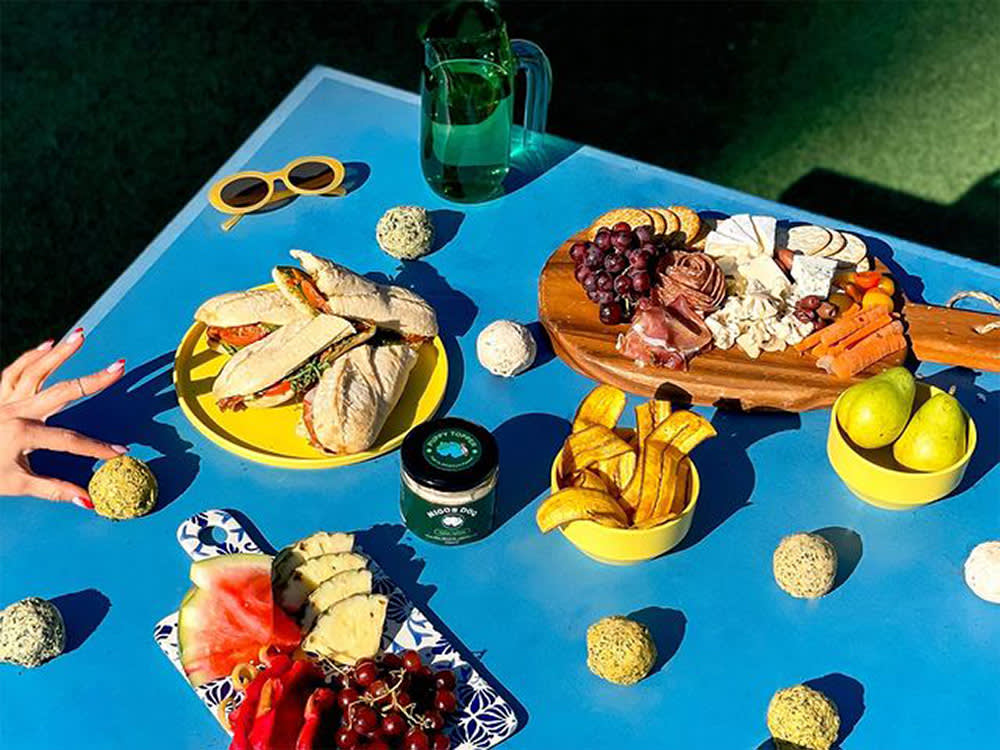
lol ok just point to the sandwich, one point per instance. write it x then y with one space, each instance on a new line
322 286
238 319
287 363
347 409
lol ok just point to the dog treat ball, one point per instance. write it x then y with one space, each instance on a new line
620 650
800 718
982 571
31 632
124 487
805 565
506 348
405 232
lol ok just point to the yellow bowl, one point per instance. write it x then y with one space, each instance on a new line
876 477
629 546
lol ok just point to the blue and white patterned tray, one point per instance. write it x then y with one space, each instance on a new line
484 719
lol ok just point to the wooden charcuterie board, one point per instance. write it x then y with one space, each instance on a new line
784 381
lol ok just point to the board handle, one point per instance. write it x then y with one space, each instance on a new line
947 336
212 533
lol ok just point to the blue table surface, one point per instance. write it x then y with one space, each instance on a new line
909 653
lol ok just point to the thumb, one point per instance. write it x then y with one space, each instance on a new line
57 490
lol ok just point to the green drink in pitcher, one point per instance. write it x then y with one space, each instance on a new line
467 100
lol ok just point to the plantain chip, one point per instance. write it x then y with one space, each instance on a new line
658 477
602 406
651 523
592 444
617 471
590 479
684 430
645 421
576 504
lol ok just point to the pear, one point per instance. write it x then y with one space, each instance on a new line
874 413
935 437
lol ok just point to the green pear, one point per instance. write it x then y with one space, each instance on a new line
935 437
874 413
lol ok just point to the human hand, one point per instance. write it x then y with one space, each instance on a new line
25 405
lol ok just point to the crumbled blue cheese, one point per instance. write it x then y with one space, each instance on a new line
813 275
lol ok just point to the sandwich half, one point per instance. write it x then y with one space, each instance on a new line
347 409
324 286
238 319
287 363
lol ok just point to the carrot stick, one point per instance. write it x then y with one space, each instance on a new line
850 362
851 339
844 323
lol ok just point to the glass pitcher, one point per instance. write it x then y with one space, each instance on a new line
467 100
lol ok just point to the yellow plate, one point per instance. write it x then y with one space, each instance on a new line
269 436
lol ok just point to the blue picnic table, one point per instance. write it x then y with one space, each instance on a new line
909 654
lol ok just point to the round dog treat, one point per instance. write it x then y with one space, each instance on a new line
800 718
122 488
982 571
620 650
31 632
506 348
805 565
405 232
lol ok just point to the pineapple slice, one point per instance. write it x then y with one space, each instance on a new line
307 577
332 590
320 543
349 630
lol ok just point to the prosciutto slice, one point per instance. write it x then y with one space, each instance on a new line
665 335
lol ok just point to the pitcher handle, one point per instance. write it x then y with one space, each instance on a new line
538 73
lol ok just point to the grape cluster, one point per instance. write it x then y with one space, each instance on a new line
395 703
616 268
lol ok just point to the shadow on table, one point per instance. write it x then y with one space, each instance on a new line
384 544
542 153
527 444
446 225
984 408
849 696
455 313
847 543
545 352
968 226
667 627
125 413
728 476
82 612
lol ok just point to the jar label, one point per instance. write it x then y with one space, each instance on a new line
447 524
452 449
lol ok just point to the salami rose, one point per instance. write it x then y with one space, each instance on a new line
694 276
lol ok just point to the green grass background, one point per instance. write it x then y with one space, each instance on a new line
114 114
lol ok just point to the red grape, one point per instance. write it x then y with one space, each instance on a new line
615 262
649 247
346 739
594 257
412 661
622 284
365 672
602 239
621 226
581 273
444 680
611 313
440 742
365 720
394 724
641 281
622 240
403 698
346 697
444 701
379 690
391 660
603 280
644 233
435 720
578 251
377 745
641 260
416 739
604 296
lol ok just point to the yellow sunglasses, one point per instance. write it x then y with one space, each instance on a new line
245 192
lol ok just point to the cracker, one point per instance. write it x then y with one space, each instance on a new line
837 243
707 227
673 221
659 220
690 222
634 217
809 239
855 250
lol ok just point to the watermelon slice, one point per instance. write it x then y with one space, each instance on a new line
228 615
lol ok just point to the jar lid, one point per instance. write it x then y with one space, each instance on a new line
449 454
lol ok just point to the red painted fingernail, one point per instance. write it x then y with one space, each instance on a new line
77 335
116 366
45 345
83 502
119 449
